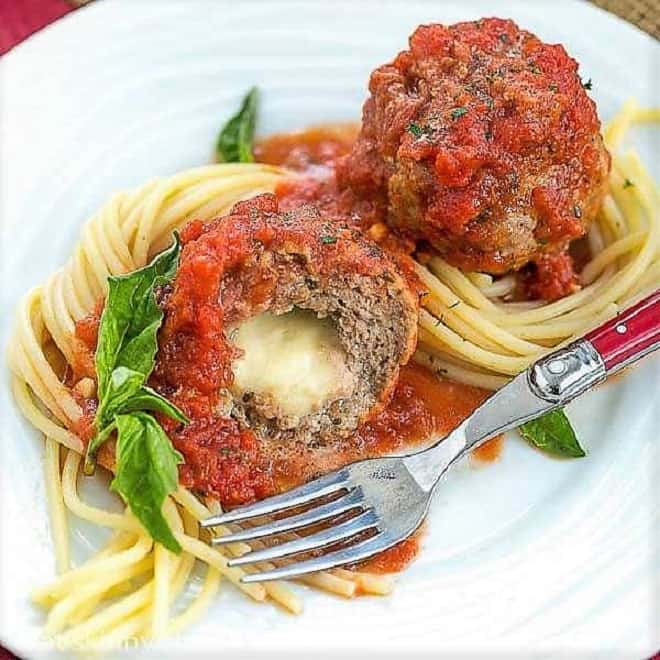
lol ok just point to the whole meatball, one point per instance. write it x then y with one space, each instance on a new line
482 141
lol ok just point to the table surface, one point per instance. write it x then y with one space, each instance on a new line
21 18
645 14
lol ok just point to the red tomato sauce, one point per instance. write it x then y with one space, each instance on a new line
314 148
550 277
489 451
395 559
314 153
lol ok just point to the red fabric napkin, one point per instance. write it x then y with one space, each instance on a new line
20 18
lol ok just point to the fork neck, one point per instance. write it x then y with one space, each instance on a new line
514 404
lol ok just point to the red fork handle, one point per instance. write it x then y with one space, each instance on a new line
630 335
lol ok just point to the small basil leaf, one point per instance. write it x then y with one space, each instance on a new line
112 329
124 384
235 140
553 434
146 473
148 399
131 318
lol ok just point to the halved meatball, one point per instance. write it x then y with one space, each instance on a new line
300 324
483 142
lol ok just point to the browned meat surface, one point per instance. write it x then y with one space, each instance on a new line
483 142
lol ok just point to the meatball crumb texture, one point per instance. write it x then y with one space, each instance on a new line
483 142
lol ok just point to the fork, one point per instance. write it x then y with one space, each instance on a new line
373 504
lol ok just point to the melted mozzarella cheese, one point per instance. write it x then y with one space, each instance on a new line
295 359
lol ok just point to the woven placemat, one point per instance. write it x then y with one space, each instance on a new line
645 14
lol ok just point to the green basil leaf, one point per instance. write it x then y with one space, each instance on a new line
553 434
131 318
140 350
148 399
235 140
127 345
146 473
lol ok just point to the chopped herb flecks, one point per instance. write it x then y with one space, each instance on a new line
328 240
457 113
534 68
628 184
415 129
588 84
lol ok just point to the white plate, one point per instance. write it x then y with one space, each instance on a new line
528 555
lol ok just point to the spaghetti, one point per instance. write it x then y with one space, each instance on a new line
469 331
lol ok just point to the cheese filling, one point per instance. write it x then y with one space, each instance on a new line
293 359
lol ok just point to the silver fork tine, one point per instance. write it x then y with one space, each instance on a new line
349 555
308 492
352 500
342 532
